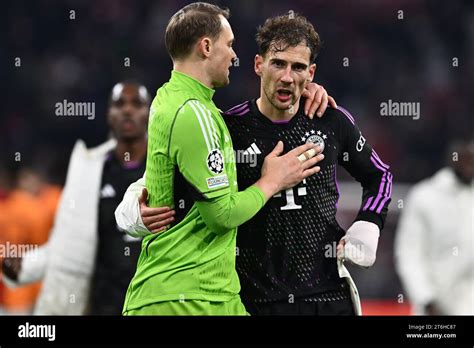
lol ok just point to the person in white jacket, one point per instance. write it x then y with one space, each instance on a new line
434 247
75 263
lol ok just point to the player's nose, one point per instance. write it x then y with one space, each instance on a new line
286 78
128 109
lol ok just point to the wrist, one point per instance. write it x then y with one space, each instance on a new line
268 187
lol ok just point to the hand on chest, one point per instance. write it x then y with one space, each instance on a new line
252 150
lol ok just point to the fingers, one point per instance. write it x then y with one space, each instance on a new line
147 211
311 103
312 161
158 225
324 104
277 151
307 155
332 102
301 149
311 171
318 98
164 219
143 197
309 96
158 230
320 95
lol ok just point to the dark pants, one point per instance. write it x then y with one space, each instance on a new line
302 307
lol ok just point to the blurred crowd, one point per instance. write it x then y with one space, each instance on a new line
410 51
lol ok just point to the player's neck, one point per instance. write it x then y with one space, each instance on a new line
131 151
274 114
195 70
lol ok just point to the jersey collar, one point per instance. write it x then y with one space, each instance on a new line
279 125
192 84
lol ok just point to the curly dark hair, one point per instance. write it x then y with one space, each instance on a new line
279 33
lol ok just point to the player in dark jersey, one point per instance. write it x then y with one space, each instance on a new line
282 261
282 253
123 162
117 252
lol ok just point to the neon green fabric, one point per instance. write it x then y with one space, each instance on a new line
193 307
226 213
195 259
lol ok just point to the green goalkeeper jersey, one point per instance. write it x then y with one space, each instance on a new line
193 260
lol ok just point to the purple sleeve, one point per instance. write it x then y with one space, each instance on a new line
365 165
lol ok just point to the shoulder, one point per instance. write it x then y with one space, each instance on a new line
167 104
339 115
442 181
104 148
342 121
425 192
239 109
81 150
236 116
193 110
195 118
345 115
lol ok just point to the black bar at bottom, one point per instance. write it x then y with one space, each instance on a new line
136 331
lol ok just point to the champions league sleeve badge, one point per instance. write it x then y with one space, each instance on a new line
215 161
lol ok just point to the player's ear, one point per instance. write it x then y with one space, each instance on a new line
312 71
205 47
258 64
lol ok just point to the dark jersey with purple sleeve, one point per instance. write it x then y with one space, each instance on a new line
282 251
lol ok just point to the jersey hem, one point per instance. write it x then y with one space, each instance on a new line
177 297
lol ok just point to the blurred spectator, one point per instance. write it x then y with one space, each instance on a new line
88 263
434 239
26 215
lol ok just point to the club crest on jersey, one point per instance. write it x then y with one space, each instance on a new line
315 137
215 161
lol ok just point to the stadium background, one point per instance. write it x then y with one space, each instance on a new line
424 57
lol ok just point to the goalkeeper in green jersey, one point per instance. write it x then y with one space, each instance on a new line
190 268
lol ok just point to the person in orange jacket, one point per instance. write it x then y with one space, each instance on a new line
26 217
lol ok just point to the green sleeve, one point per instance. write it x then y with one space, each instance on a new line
225 213
196 140
195 147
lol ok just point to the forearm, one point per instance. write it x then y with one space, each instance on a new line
226 213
